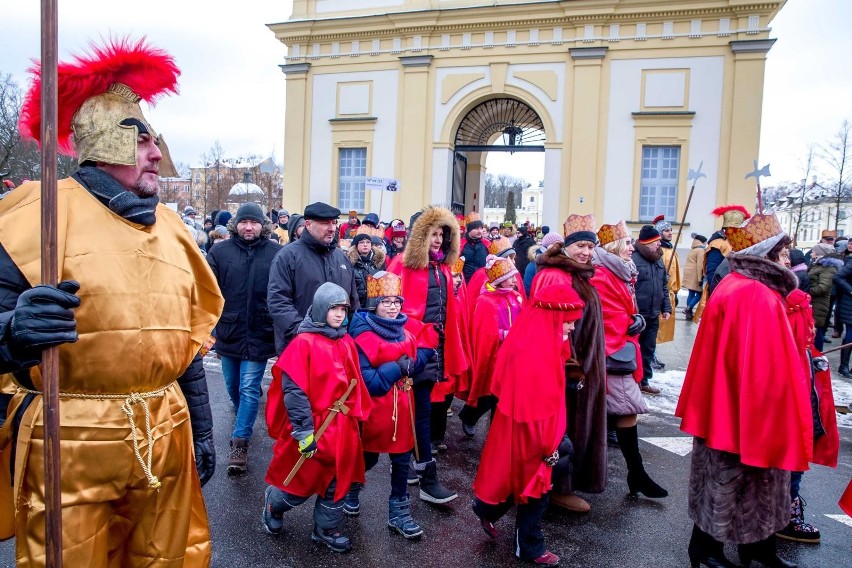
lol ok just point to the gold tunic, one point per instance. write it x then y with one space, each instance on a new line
148 301
667 327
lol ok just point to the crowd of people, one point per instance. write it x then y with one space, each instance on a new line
375 329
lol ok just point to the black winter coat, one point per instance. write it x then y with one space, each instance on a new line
297 271
843 283
360 269
474 253
522 247
713 257
242 269
652 289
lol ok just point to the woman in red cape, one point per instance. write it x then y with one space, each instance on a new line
496 310
526 435
746 400
615 280
427 286
312 373
570 264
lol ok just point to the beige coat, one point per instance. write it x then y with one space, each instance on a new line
693 270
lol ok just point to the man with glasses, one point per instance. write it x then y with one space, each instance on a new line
303 266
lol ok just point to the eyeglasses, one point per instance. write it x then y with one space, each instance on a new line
391 303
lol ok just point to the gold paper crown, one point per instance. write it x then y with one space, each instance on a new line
458 266
756 230
498 246
575 223
386 284
499 269
611 233
472 216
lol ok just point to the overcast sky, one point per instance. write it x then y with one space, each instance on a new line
232 90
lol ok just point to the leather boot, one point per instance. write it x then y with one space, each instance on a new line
844 362
765 552
638 480
704 549
432 490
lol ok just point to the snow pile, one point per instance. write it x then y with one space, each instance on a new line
669 383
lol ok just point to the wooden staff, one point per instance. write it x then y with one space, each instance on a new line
338 407
410 395
694 176
50 275
838 348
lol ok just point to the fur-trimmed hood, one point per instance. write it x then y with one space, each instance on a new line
378 256
416 253
759 268
554 257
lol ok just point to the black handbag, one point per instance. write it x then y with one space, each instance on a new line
623 361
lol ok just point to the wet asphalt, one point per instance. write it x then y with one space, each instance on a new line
620 531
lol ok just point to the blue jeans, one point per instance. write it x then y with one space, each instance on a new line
243 381
693 298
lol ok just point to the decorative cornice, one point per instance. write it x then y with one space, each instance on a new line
293 68
587 52
752 45
671 113
354 119
416 60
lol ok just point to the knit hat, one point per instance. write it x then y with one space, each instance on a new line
756 236
219 231
551 238
545 229
381 285
476 224
397 228
579 228
250 212
222 218
493 225
283 213
611 233
698 237
358 238
648 235
499 269
661 224
326 297
819 250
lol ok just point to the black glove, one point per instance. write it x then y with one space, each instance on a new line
44 318
637 326
404 362
205 456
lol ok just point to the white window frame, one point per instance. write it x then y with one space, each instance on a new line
352 174
659 181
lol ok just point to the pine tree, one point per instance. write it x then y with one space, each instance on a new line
511 216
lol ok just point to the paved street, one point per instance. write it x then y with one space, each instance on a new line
619 531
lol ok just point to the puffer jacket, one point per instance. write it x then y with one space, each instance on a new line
821 276
361 267
843 282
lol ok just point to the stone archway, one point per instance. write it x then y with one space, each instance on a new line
498 119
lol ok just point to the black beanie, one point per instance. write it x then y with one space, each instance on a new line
648 234
477 224
358 238
251 212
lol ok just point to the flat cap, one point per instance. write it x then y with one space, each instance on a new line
320 211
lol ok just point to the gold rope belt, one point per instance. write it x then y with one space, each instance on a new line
130 399
406 386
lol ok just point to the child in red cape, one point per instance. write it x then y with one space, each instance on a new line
525 439
496 309
312 373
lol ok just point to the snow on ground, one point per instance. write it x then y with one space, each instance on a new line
669 383
842 396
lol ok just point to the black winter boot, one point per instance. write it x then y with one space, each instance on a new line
638 481
704 549
432 490
765 552
844 363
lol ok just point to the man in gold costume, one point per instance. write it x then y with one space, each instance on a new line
135 303
672 264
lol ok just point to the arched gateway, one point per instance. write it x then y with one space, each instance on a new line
628 97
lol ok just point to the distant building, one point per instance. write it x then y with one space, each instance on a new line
528 209
812 209
213 183
176 190
622 98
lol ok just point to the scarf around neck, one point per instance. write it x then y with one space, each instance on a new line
308 326
624 269
386 328
120 201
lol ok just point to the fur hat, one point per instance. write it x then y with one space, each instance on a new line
499 269
648 235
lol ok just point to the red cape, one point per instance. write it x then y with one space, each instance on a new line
827 446
618 309
491 307
846 501
415 285
458 385
477 285
322 368
388 429
745 390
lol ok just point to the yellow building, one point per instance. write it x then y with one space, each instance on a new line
622 96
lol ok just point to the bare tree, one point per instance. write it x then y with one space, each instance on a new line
807 168
497 189
836 156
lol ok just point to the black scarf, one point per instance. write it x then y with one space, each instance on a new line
308 326
107 190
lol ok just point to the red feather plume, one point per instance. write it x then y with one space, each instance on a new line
725 208
658 218
150 72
